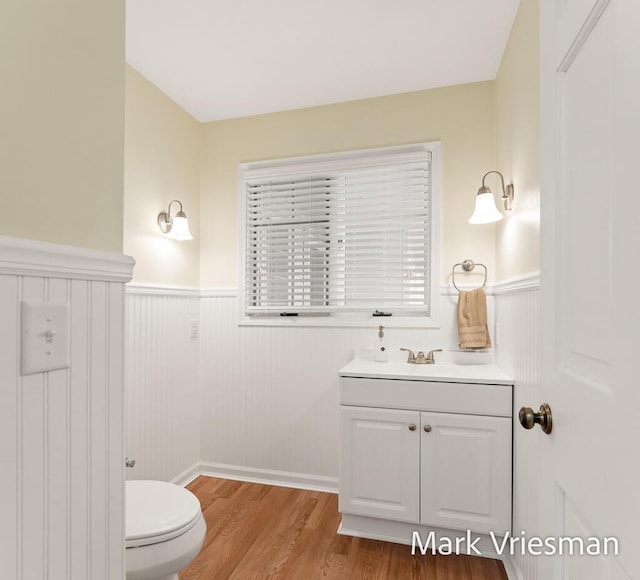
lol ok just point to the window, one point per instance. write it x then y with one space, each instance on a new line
343 233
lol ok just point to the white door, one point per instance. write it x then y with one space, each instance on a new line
590 463
466 472
380 463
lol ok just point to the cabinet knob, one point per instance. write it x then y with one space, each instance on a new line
412 427
427 428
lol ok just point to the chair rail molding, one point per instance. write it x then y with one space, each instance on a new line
159 290
34 258
526 282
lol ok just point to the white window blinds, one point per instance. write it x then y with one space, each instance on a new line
353 235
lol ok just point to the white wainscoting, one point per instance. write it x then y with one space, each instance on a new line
517 307
61 496
162 384
269 400
267 405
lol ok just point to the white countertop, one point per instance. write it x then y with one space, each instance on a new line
442 371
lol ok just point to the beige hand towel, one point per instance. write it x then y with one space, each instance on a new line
472 320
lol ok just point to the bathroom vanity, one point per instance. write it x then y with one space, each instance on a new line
425 448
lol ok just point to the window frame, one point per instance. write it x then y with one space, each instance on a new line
331 161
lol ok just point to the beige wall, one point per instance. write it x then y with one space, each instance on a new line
61 121
162 163
518 143
461 117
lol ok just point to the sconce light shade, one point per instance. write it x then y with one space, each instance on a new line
486 211
176 227
180 228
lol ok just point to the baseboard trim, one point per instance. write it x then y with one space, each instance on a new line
512 569
187 476
270 477
402 533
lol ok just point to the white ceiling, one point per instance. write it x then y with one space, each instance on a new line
222 59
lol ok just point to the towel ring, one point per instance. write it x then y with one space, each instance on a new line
467 266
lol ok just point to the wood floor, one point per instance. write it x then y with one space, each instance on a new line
257 531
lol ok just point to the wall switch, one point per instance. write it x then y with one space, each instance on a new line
44 337
195 328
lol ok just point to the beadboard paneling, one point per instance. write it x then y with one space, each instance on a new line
61 431
268 395
269 398
518 353
162 383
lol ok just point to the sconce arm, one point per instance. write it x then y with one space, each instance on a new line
504 193
180 210
507 191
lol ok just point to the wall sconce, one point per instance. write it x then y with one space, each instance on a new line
176 227
486 211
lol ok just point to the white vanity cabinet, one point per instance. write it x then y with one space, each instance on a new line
421 453
465 472
380 467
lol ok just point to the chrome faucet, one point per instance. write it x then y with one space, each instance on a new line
420 358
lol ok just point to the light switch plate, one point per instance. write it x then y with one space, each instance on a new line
45 337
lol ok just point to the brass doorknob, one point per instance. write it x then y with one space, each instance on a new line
528 418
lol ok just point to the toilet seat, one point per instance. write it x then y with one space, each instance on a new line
158 511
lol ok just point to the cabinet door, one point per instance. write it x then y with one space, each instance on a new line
466 472
379 463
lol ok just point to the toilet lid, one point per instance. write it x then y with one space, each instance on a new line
157 511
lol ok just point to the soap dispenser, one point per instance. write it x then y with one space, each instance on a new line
380 352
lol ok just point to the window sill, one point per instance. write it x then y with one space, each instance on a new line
341 321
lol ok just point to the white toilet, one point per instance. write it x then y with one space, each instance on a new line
165 529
